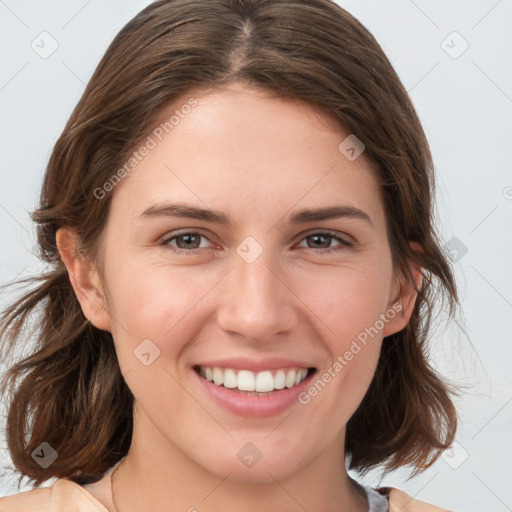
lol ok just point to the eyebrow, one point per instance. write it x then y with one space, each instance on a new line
183 210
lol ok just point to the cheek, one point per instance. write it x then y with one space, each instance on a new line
154 316
348 300
350 303
155 299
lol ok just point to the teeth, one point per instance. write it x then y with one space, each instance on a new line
280 379
218 377
261 382
230 379
246 381
264 382
290 379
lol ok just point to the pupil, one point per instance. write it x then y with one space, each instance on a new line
317 237
188 238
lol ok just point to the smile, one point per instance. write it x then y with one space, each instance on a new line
254 383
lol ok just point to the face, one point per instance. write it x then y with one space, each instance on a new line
265 294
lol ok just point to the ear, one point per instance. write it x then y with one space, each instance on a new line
84 278
404 298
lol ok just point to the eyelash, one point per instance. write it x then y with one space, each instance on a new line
344 244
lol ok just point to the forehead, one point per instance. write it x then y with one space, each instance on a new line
244 150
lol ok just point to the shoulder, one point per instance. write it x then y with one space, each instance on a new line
62 496
399 501
66 496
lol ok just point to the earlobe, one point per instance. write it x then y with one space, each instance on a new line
404 301
84 279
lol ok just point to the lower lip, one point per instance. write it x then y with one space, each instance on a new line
254 406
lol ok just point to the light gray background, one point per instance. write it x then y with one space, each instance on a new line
465 105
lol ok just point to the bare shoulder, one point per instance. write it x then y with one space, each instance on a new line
400 501
66 496
26 501
62 496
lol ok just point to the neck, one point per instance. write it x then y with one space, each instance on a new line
150 478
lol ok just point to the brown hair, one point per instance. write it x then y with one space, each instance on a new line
69 392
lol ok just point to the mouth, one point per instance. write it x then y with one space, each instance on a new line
261 383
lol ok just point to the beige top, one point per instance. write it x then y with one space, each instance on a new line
67 496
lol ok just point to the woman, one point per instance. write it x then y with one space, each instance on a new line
238 219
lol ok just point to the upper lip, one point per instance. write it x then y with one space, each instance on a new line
255 365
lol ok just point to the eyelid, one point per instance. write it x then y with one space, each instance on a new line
331 232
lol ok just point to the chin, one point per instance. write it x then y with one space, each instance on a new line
249 464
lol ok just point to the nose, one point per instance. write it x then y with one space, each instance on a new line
256 302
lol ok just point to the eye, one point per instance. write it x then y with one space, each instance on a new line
321 242
188 242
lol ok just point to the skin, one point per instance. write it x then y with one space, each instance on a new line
257 158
